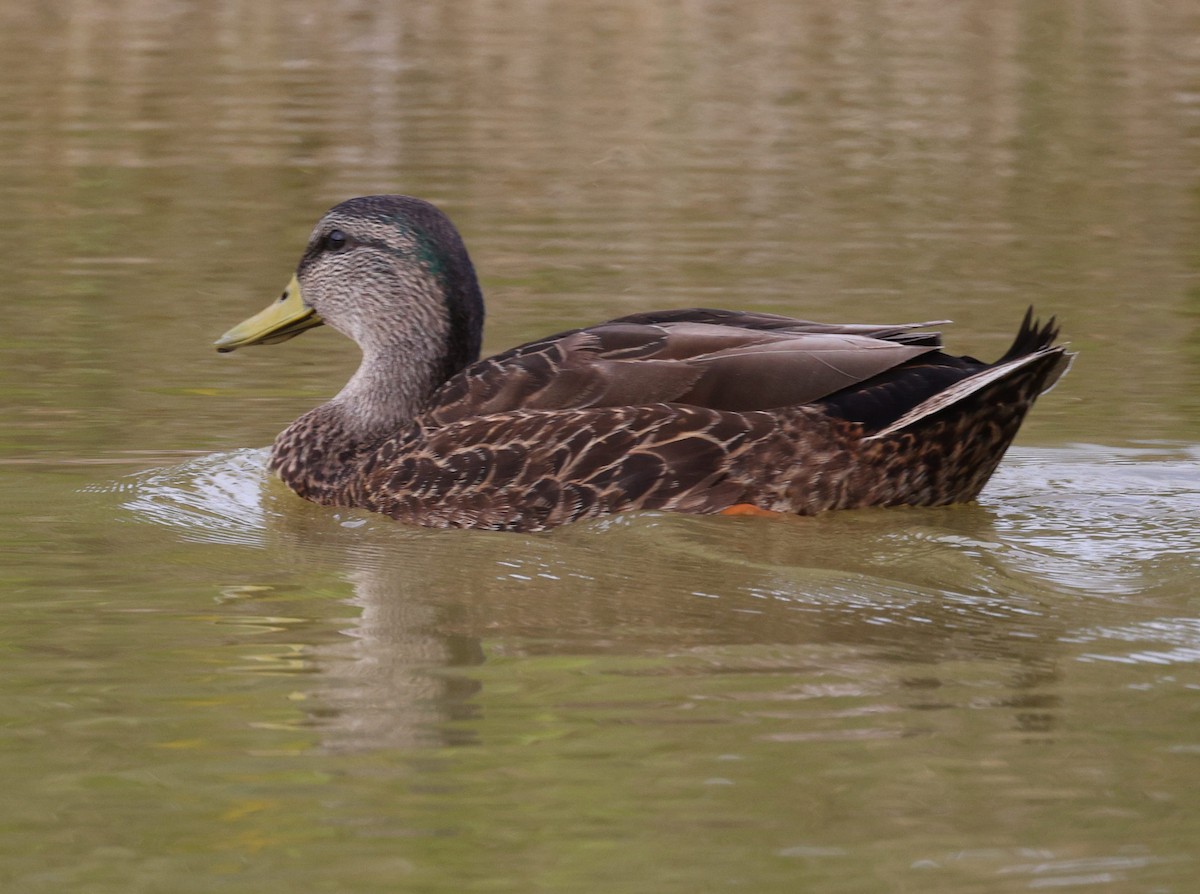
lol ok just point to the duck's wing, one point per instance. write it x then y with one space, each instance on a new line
716 359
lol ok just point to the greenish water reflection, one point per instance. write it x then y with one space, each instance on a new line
208 685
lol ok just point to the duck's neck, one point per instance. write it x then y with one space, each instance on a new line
391 387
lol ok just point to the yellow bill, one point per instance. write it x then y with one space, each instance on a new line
282 319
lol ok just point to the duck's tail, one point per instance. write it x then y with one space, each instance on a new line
1031 367
946 448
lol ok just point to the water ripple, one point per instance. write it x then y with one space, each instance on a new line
1100 519
213 499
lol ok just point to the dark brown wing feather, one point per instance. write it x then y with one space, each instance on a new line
720 360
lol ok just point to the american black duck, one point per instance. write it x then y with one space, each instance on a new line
698 410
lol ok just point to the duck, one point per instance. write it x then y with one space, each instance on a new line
699 410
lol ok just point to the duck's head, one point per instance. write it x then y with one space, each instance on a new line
390 272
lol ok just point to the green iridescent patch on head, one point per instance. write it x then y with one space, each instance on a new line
431 254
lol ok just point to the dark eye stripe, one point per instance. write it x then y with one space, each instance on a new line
314 252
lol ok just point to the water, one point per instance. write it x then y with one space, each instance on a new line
208 685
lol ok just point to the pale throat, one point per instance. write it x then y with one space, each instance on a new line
391 386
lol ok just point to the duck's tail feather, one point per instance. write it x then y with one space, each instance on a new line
1031 337
946 448
1029 368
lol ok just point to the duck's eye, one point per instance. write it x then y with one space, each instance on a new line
336 240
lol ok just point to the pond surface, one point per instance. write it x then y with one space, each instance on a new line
208 685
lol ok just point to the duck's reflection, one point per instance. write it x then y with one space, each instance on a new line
896 602
391 688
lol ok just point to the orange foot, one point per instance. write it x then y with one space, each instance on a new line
751 509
